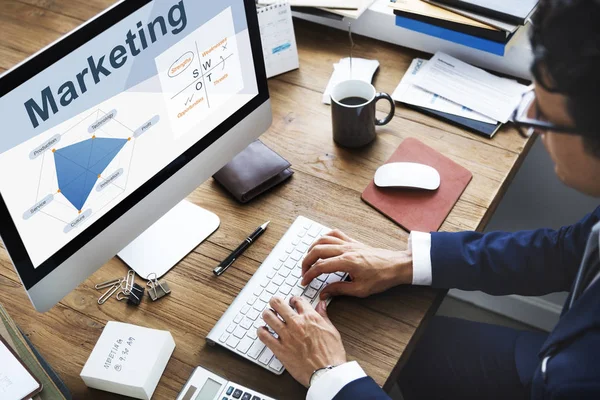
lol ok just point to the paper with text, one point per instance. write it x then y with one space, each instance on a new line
471 87
15 381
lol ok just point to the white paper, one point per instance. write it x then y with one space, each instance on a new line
15 381
344 4
408 93
362 69
471 87
278 39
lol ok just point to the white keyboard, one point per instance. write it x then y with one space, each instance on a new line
279 275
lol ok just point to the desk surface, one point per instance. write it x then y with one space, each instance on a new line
326 187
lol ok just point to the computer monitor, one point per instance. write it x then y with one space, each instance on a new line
107 129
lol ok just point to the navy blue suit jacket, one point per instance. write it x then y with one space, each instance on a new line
530 263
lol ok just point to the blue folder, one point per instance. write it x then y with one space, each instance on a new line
451 36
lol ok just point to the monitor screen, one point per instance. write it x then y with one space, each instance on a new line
120 105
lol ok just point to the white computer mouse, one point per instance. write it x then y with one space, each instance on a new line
407 175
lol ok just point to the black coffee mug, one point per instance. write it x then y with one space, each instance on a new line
353 108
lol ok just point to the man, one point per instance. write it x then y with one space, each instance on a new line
456 359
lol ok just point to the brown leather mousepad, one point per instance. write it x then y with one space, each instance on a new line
415 209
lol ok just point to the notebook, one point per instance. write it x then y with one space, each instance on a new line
16 381
512 11
420 210
482 128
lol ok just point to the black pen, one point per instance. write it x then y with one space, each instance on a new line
240 250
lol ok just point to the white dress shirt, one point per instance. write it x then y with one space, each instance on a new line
329 385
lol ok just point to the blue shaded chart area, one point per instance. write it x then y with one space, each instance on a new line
79 166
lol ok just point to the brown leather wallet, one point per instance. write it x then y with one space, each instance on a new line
254 171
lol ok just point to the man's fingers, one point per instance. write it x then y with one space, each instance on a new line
269 340
322 310
339 289
300 304
273 321
341 235
282 308
326 240
323 251
335 264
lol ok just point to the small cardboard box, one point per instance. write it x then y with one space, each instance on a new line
128 360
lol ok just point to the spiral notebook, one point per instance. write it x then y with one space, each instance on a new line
278 38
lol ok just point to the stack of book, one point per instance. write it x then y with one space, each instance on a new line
53 387
487 25
333 9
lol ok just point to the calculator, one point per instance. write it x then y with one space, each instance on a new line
204 385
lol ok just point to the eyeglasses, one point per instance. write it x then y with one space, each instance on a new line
528 118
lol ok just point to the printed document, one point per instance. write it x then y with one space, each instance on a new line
408 93
471 87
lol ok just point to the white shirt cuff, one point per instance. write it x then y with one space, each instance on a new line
329 385
420 244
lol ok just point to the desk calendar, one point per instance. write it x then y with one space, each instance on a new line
278 38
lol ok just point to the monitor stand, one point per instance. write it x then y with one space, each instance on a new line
169 239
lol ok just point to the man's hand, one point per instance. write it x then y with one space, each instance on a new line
371 270
307 340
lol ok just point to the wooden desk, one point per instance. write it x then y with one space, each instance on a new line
326 186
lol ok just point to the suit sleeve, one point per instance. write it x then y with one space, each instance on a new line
530 263
362 389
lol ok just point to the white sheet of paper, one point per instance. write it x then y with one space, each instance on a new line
344 4
15 380
407 92
278 38
470 86
362 69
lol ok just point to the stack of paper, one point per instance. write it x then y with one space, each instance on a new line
450 86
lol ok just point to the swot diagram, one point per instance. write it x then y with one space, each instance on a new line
200 73
85 168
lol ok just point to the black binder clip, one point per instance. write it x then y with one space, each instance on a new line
133 296
157 289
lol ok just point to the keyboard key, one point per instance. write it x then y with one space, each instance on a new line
278 280
257 293
247 396
252 333
332 278
276 365
297 272
272 288
283 257
314 231
239 332
237 394
300 285
290 264
266 281
255 398
251 300
266 356
316 284
233 341
310 293
323 277
296 255
341 274
231 327
270 276
238 318
260 305
291 280
230 390
284 272
296 241
245 309
303 248
266 297
255 349
302 233
308 240
296 291
247 323
258 323
244 345
224 337
285 289
253 314
289 249
306 224
277 267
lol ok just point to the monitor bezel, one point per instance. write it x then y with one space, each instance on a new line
13 243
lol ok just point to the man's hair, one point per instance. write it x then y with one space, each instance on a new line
566 44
